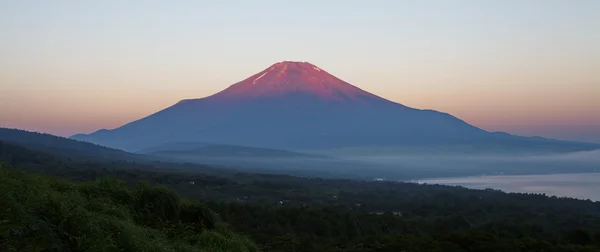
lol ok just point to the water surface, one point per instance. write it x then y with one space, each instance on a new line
582 185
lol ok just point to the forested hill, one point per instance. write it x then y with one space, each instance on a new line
63 147
45 214
285 213
72 167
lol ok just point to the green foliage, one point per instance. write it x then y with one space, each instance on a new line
279 213
225 241
114 190
44 214
156 206
197 215
290 228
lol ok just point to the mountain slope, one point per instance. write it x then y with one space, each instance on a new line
299 106
61 146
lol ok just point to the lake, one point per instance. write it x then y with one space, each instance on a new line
581 185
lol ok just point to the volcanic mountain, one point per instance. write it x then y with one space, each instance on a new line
299 106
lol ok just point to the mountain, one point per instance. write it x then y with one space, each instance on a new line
61 146
299 106
195 149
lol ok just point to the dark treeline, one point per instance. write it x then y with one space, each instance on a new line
63 147
338 229
285 213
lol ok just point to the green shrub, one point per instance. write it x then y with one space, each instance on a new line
197 215
216 241
45 214
156 205
108 188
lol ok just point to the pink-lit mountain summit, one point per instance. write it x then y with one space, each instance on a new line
300 106
287 77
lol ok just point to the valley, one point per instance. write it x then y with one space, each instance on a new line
290 213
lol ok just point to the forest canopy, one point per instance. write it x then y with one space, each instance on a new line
46 214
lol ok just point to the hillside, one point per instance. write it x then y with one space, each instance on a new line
47 214
64 147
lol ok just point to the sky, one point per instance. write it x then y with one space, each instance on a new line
523 67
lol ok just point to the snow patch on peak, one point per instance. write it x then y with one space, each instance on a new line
262 75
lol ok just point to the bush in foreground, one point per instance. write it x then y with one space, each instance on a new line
45 214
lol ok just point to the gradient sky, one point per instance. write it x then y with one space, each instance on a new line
524 67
